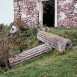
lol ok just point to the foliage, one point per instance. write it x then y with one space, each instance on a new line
29 40
32 43
19 39
22 41
4 46
1 70
54 64
67 35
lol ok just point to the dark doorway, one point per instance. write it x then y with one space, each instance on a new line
48 13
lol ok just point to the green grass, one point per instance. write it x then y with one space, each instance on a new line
69 33
53 64
58 31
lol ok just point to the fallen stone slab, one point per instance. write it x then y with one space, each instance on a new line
54 41
29 54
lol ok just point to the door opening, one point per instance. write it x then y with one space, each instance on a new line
48 13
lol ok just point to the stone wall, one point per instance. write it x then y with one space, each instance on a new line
27 11
67 13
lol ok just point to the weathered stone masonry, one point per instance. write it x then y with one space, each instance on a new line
28 11
67 13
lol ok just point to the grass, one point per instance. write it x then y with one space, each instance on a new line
53 64
58 31
67 33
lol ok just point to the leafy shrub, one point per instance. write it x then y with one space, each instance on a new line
1 70
4 46
32 43
19 39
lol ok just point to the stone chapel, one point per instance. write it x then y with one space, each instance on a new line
32 13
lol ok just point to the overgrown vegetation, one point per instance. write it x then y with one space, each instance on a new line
11 44
54 64
25 38
4 47
66 33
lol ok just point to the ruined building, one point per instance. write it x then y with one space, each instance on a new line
31 12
